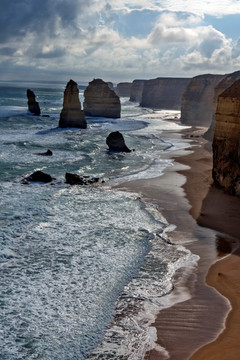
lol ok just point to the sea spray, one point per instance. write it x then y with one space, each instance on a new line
75 261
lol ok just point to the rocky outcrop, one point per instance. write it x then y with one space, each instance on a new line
71 114
46 153
226 142
164 93
136 90
123 89
197 100
101 101
74 179
38 176
33 105
225 83
115 142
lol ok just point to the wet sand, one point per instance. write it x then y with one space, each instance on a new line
207 223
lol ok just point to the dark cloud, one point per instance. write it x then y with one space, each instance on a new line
7 51
17 18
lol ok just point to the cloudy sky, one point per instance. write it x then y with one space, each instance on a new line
117 40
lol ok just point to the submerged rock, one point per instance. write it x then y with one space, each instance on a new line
74 179
101 101
226 142
47 153
38 176
115 142
72 115
33 106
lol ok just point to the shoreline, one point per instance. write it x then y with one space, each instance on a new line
179 194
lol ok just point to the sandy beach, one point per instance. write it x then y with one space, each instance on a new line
206 325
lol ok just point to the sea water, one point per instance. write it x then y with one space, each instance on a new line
83 269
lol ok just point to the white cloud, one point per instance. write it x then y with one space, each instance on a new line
82 38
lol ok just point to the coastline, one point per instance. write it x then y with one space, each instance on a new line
180 193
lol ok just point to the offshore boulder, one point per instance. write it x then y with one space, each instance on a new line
72 115
101 101
38 176
226 142
116 142
75 179
33 105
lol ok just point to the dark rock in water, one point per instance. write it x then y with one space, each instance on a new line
38 176
46 116
74 179
33 106
115 142
47 153
72 115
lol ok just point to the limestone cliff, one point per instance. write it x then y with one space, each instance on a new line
33 106
101 101
226 142
123 89
227 81
136 90
71 114
197 100
164 93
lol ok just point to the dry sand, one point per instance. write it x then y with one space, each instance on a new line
186 198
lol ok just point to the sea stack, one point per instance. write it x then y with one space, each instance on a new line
33 106
226 142
101 101
136 90
197 100
72 115
123 89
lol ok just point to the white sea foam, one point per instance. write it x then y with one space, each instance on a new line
73 257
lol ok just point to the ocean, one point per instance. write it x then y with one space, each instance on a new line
84 269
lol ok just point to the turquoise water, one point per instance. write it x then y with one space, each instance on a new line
79 265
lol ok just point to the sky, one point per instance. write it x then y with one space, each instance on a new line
117 40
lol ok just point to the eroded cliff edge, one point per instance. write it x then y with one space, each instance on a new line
226 142
164 93
197 100
224 84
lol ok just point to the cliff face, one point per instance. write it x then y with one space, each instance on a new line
71 114
33 106
197 100
136 90
164 93
101 101
226 142
224 84
123 89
